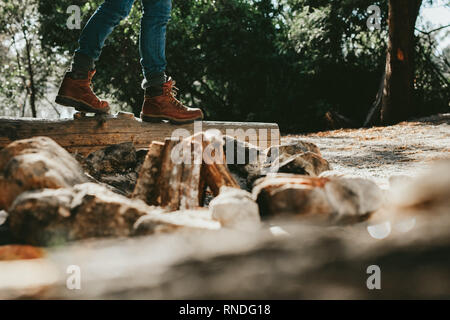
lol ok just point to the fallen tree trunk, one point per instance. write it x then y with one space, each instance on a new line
84 134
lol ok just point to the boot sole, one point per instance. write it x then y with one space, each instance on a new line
78 105
156 119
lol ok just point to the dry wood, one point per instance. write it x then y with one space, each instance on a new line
175 174
146 188
215 165
191 176
87 134
169 180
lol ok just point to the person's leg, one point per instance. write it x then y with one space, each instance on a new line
159 102
152 41
97 29
75 90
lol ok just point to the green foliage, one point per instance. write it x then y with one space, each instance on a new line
25 69
432 82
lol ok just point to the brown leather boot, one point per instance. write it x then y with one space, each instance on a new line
78 93
166 107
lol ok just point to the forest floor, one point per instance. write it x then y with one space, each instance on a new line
378 153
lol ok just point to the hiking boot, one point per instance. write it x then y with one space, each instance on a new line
76 91
160 104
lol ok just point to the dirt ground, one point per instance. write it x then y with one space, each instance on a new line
381 152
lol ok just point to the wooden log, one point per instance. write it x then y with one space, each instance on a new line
167 181
86 134
170 177
191 176
146 188
216 171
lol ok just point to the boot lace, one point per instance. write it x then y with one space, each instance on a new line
172 92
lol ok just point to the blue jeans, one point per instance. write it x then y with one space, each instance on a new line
152 38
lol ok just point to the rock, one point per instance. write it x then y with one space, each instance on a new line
20 252
325 262
329 200
353 198
116 165
292 148
399 180
277 231
50 217
426 194
241 153
116 158
26 278
298 157
36 163
244 161
3 217
5 234
123 184
307 163
235 208
294 200
159 221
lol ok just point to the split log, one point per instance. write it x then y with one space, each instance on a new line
146 188
176 174
85 134
192 185
216 171
169 180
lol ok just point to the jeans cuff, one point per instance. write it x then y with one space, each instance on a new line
154 79
82 62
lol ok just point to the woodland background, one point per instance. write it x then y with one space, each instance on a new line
289 61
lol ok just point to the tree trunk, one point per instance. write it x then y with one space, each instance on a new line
397 101
31 75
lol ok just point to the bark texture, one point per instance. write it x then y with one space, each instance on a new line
398 100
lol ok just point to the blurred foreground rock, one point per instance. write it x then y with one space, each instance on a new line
20 252
310 263
53 217
36 163
426 194
329 200
164 222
